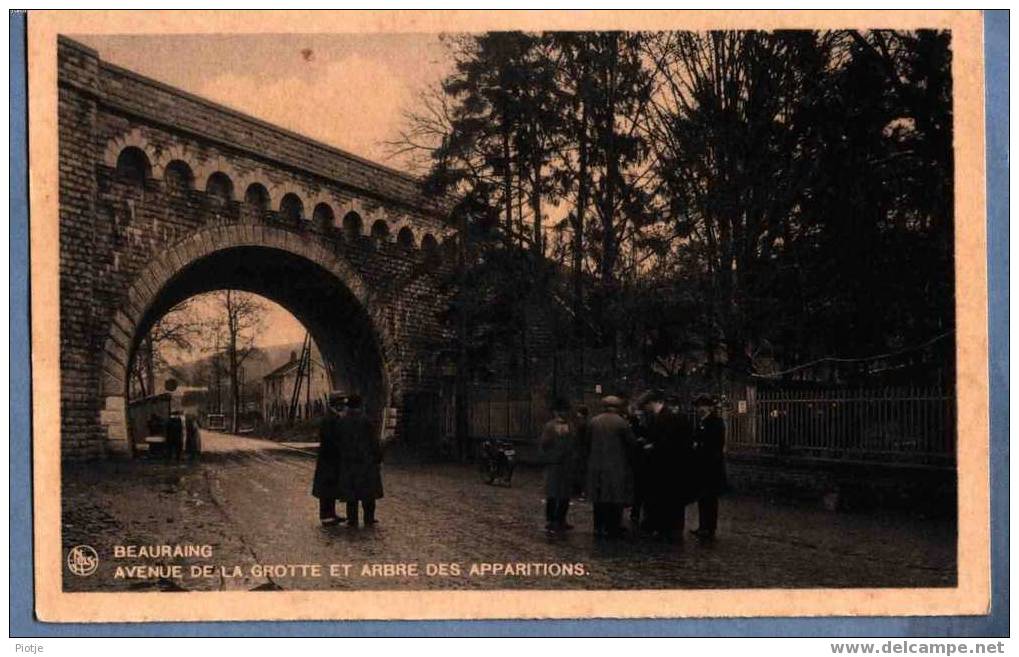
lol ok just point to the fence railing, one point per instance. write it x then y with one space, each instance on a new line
513 414
498 414
902 423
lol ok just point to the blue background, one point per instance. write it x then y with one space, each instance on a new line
22 618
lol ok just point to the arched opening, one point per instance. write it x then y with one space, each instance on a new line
317 295
291 207
430 247
405 238
257 196
220 187
352 225
238 361
323 216
133 166
178 177
380 230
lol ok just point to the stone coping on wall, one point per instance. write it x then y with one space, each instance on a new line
126 91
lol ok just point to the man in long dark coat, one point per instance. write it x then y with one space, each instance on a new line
709 457
326 485
360 463
558 448
669 454
639 508
609 479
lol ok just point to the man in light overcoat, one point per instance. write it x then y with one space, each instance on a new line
609 474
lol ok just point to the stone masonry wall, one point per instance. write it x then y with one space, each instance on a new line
111 227
114 228
77 114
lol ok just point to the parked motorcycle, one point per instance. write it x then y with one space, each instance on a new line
496 461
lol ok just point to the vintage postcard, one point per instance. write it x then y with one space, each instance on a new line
429 314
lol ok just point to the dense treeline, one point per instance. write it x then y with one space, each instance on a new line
733 203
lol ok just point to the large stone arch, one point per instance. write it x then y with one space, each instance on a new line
134 313
109 278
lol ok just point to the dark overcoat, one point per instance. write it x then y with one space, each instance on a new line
326 484
638 457
609 477
193 442
558 449
175 432
670 458
360 458
709 454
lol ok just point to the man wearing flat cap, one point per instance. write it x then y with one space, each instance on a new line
326 484
609 480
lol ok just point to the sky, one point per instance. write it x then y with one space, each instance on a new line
347 90
280 328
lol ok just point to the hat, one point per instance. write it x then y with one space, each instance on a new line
611 401
337 397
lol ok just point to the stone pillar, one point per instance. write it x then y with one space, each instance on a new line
80 404
113 419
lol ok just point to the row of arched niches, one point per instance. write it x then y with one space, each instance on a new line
132 166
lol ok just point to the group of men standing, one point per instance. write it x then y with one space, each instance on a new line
656 461
348 467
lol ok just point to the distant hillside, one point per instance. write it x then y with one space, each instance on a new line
262 361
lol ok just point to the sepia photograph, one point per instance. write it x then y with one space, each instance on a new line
536 309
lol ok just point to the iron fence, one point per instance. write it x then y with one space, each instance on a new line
901 423
499 413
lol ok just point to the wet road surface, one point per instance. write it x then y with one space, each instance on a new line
250 499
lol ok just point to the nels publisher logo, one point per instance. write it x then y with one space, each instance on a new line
82 560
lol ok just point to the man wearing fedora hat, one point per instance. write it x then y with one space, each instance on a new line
709 456
360 480
609 479
669 454
326 484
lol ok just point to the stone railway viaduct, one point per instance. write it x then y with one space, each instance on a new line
164 195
